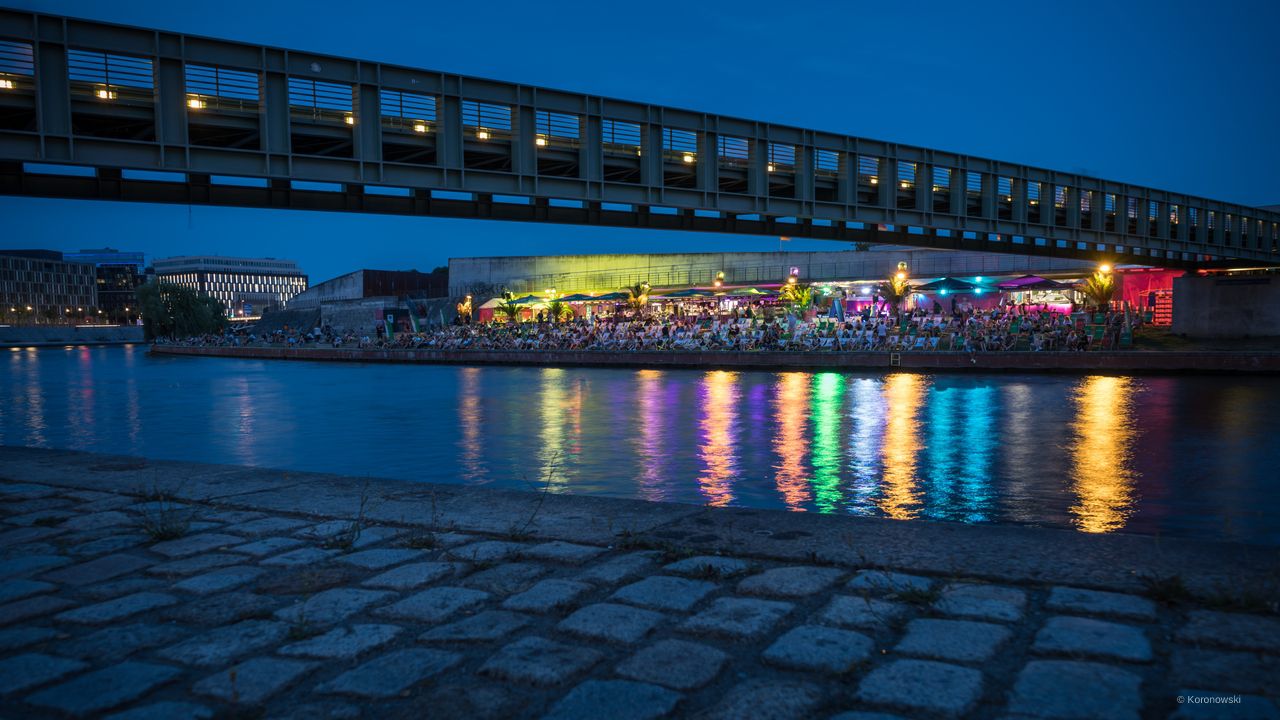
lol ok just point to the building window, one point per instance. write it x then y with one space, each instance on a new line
112 96
17 87
680 158
322 117
556 140
487 128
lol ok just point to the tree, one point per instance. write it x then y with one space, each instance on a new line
1099 288
507 307
558 310
171 310
798 297
895 291
637 296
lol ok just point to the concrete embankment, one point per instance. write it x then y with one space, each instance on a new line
1070 362
54 335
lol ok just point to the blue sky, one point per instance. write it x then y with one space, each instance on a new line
1177 95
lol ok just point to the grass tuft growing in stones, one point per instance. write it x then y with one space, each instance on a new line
163 518
1167 589
917 596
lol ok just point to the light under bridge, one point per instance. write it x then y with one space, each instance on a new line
92 110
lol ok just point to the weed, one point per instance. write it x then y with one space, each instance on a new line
917 596
345 540
706 571
519 532
162 517
1167 590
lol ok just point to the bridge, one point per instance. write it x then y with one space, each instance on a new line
92 110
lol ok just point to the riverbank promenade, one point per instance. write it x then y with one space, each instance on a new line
1153 361
144 589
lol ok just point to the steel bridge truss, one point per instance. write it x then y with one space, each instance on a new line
98 111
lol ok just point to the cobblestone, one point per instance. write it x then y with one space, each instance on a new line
1060 689
547 595
539 661
1097 602
192 565
506 578
118 609
882 582
860 612
117 642
224 609
1225 671
192 544
484 626
219 580
332 606
18 589
1086 637
435 604
389 675
23 672
767 698
984 602
226 644
790 582
615 623
486 551
924 686
97 521
20 637
268 546
958 640
165 711
265 526
32 607
379 559
822 649
413 575
738 617
562 552
615 570
343 643
675 664
661 592
253 681
614 699
301 556
30 565
99 570
104 689
708 567
1231 630
114 542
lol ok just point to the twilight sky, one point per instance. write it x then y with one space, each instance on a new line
1181 95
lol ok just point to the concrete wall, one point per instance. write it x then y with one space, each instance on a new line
361 315
343 287
573 273
1216 307
24 335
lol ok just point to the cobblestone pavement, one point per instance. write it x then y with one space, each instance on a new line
125 604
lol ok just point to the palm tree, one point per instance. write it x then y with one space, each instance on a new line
558 310
895 291
1099 288
798 297
507 307
637 296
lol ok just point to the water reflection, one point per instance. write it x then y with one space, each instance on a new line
650 422
1103 434
974 448
903 396
719 403
828 393
790 441
470 423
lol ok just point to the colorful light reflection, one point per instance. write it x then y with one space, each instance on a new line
1103 435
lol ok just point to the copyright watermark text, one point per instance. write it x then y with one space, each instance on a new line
1208 699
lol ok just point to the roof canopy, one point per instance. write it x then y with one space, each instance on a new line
1032 282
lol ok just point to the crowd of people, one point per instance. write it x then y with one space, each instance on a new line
999 329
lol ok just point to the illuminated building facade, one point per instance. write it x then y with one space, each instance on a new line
118 275
40 286
246 286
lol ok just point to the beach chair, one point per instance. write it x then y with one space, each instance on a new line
891 343
933 342
919 343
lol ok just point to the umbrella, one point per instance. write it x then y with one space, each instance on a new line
750 292
1032 282
690 293
528 300
612 296
947 284
577 297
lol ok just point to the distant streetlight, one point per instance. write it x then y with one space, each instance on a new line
1104 268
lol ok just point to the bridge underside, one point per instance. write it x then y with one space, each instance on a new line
154 116
107 185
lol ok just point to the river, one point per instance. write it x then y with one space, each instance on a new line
1179 456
